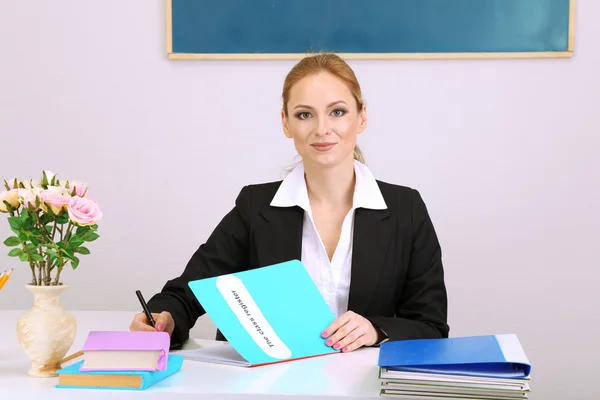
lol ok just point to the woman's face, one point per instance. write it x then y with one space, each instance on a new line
323 120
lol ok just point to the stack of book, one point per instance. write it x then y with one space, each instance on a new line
475 367
121 360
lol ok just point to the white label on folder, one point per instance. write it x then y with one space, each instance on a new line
252 319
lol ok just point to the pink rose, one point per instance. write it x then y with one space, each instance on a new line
79 186
55 198
83 211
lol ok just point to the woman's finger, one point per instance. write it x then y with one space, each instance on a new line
140 323
359 342
350 338
337 324
342 332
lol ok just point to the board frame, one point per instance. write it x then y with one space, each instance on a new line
370 56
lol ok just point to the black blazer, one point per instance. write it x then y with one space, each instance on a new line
397 278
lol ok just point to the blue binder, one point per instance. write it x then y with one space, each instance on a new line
493 356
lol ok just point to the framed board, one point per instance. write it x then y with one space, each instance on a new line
369 29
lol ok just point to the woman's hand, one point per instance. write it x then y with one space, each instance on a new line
351 331
163 322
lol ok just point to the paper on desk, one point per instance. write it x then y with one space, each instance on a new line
222 354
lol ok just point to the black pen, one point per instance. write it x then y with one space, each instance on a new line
145 307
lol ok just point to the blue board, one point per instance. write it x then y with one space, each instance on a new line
369 28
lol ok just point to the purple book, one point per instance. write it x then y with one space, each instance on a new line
126 351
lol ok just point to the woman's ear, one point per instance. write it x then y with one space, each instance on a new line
362 119
285 124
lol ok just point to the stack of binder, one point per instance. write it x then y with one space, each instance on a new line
475 367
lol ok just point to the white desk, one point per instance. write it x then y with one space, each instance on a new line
352 375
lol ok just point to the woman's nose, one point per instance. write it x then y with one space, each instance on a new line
322 127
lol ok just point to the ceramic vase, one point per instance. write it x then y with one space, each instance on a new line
46 331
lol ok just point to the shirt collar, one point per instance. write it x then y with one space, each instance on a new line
292 191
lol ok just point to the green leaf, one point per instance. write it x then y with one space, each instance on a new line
12 241
15 223
46 219
75 242
15 252
24 257
30 248
67 254
44 182
81 230
63 219
49 210
75 262
82 250
90 236
23 236
24 215
49 229
6 185
27 226
37 257
34 240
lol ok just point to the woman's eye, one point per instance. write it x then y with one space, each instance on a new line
303 115
338 112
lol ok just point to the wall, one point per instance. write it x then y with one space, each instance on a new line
503 152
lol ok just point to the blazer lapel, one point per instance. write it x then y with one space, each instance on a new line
279 239
371 242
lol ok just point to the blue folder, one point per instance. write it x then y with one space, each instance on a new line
148 378
493 356
269 314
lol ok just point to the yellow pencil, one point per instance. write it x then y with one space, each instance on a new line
4 277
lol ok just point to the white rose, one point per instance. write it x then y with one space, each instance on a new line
49 175
30 184
11 197
58 190
28 196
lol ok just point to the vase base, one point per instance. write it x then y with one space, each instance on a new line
44 371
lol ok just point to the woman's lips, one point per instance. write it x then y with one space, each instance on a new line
323 146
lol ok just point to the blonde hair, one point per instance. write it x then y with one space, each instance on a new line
333 64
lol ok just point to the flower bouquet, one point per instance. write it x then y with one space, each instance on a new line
51 220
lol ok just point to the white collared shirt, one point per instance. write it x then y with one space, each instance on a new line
332 278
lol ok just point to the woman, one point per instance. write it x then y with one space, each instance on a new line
369 246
